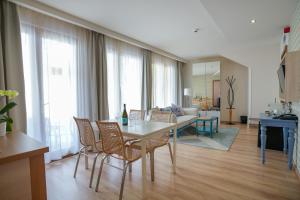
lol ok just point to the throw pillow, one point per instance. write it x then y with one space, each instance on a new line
177 110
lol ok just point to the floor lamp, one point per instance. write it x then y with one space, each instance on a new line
187 93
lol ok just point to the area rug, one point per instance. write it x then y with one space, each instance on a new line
220 141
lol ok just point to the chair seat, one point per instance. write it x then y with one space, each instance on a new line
155 143
99 145
132 150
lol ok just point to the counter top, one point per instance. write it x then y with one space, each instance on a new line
16 146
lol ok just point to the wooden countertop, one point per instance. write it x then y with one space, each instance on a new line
16 146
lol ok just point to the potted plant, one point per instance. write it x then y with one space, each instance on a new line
6 121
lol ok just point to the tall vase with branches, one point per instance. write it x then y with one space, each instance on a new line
230 96
6 121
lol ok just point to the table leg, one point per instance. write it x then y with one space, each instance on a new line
263 139
291 141
285 138
198 127
217 126
144 172
174 151
211 128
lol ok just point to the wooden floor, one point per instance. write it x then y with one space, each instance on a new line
201 174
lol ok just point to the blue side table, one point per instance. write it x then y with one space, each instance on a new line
210 120
289 130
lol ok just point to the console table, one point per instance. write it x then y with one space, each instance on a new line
289 130
22 168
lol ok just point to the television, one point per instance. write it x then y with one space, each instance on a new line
281 77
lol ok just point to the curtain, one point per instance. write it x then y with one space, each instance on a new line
147 81
11 68
124 75
99 68
179 84
58 81
164 84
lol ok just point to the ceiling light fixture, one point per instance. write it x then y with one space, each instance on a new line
253 21
196 30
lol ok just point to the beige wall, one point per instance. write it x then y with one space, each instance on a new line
227 68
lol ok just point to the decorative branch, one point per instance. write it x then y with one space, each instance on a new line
230 94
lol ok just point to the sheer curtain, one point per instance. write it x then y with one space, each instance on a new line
164 83
125 71
57 81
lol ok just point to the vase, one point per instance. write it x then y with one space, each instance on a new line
2 129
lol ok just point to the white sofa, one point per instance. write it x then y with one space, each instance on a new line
190 115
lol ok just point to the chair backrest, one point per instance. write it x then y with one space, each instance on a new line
136 115
112 138
161 116
86 133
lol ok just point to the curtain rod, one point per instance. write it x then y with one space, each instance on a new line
59 14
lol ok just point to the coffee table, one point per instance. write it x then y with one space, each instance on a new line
213 127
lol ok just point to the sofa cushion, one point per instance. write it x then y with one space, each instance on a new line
185 120
190 111
166 109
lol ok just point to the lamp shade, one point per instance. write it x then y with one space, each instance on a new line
187 92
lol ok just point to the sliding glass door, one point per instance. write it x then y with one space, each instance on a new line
124 72
164 83
50 85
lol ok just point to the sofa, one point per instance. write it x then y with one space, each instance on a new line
183 121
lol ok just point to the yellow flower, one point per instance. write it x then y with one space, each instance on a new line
9 93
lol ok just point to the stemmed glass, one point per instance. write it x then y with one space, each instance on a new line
133 117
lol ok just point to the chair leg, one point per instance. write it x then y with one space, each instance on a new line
93 169
170 150
152 164
130 164
123 181
86 159
76 166
130 167
99 174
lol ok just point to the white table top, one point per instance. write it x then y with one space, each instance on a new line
140 129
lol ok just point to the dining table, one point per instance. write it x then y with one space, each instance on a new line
144 130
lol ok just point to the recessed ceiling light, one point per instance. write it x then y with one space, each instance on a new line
253 21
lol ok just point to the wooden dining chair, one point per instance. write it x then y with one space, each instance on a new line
163 139
115 145
88 141
136 115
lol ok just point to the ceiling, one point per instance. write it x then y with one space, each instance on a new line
169 24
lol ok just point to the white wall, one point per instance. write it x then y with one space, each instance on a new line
294 45
263 62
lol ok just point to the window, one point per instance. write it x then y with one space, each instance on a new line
163 81
50 72
124 68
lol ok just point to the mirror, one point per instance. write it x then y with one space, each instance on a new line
206 93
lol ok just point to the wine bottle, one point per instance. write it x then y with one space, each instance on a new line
124 117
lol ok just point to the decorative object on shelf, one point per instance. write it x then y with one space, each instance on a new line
187 93
230 96
5 121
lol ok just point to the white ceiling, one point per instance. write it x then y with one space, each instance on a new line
169 24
